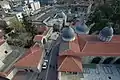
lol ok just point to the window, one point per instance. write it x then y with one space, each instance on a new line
117 61
70 72
44 41
108 60
31 70
74 72
26 70
18 15
6 52
96 60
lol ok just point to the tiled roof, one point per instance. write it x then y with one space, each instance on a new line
70 64
2 41
94 38
3 74
42 28
46 32
38 37
102 47
32 49
71 46
32 59
85 45
91 45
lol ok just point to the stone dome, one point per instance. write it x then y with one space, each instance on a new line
81 28
107 31
106 34
68 34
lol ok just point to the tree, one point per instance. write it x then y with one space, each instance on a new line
27 22
108 12
16 25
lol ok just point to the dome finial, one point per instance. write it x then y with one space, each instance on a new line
110 24
81 27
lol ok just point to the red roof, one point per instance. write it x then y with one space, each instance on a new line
73 47
32 59
2 41
91 45
42 29
85 45
38 37
3 74
70 64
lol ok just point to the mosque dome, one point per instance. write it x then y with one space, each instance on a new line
68 34
107 31
106 34
81 28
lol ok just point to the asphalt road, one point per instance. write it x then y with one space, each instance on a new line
51 72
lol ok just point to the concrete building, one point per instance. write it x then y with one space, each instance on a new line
83 51
47 2
43 34
26 63
81 56
5 50
31 7
5 4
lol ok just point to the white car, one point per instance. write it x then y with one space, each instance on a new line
45 63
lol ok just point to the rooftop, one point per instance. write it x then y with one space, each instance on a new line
32 59
38 37
74 62
90 45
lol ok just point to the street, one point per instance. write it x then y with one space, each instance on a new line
51 72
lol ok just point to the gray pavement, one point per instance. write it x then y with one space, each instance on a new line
51 72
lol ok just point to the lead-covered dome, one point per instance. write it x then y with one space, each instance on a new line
107 31
68 34
106 34
81 27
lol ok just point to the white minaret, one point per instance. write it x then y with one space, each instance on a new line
64 17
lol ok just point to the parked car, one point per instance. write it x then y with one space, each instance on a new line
45 64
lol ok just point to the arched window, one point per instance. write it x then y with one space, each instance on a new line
44 41
6 52
96 60
26 70
108 60
31 70
117 61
